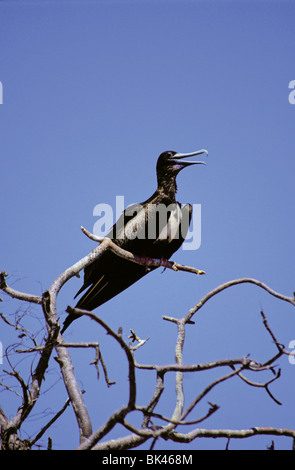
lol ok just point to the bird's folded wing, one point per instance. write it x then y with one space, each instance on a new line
107 277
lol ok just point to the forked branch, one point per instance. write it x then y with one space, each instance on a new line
179 415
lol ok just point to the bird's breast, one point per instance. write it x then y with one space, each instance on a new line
171 226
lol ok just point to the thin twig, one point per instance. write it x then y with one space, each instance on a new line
47 426
211 410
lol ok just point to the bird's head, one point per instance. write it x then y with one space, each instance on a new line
170 163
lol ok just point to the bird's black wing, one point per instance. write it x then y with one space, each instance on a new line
109 267
110 274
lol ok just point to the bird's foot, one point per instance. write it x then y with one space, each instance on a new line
164 262
146 262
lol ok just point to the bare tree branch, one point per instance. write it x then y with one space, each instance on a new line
235 282
16 294
50 423
30 390
110 245
231 433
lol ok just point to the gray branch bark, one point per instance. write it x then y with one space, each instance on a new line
90 439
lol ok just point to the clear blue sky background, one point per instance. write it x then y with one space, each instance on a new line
93 92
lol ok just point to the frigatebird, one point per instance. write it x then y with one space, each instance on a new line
156 228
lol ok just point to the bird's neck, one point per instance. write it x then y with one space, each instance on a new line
168 187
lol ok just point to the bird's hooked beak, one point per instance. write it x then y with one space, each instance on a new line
183 163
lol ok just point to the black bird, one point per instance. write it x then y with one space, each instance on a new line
156 228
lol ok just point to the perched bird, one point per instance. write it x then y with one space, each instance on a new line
156 228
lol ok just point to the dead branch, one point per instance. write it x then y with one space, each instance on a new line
228 284
231 433
50 423
89 439
124 346
16 294
110 245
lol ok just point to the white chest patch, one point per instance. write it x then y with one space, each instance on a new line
171 230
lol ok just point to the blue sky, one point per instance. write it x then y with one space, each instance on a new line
93 92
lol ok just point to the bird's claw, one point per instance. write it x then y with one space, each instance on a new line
146 262
164 262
